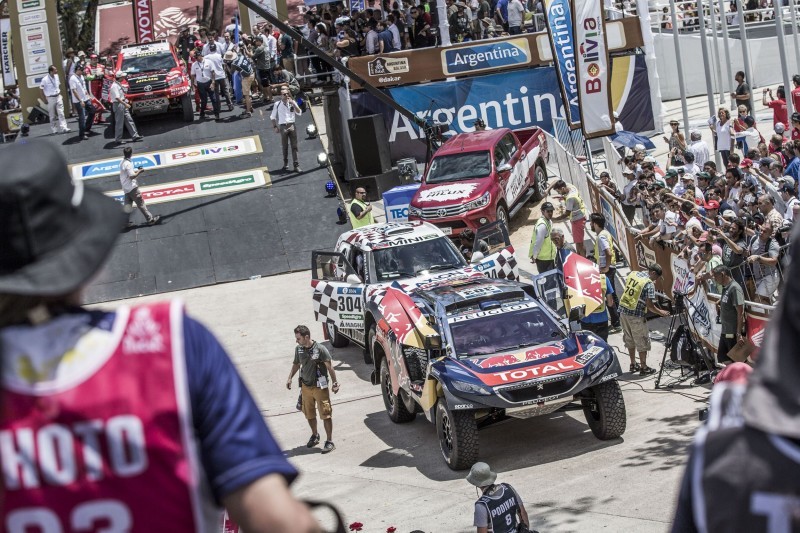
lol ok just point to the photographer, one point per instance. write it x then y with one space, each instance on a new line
763 260
734 249
127 178
730 313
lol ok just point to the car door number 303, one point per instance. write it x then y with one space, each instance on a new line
349 303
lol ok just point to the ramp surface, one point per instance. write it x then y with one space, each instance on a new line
222 218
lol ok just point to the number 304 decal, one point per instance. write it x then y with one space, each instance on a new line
349 304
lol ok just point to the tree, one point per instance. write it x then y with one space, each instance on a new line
212 14
78 18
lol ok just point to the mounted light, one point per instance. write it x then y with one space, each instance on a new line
330 188
322 159
311 131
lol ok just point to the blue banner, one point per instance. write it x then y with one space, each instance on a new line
559 28
519 100
486 56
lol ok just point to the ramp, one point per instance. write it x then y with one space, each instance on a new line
227 209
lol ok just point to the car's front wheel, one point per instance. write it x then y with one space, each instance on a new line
395 407
186 107
458 436
539 183
337 339
369 357
604 409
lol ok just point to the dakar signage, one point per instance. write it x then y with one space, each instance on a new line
143 20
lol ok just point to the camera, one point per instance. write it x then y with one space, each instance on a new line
642 186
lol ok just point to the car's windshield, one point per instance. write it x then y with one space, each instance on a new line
480 333
417 258
455 167
148 63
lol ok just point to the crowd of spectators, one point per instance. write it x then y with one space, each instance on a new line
739 215
10 99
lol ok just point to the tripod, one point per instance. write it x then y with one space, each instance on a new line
680 317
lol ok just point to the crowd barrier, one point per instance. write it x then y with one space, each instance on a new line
638 253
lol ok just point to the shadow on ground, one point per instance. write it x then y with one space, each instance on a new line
668 448
507 446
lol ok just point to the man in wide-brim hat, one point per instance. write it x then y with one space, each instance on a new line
499 509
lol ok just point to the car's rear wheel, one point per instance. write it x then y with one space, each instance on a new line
604 409
458 436
502 215
395 407
337 339
369 356
186 107
539 183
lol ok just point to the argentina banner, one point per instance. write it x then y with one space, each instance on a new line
592 68
559 28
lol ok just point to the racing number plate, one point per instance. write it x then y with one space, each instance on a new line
150 105
447 230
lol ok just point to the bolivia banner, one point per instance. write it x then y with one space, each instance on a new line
559 28
592 68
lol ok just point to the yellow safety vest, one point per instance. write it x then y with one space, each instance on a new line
548 250
634 284
366 220
597 252
573 193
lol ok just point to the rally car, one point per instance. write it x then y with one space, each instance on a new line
349 283
157 81
470 352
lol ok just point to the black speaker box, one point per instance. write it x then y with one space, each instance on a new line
375 185
370 145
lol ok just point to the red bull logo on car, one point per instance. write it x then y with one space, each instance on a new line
534 354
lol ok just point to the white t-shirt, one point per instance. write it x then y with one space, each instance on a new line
215 63
669 225
789 212
127 175
284 113
516 13
201 71
50 85
77 86
723 135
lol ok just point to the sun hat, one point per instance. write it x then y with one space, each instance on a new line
230 55
481 475
55 234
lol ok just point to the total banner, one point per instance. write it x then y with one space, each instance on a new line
143 19
559 29
592 68
6 62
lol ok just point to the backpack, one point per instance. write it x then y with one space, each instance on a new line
682 348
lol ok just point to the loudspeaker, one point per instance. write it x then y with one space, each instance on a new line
370 145
375 185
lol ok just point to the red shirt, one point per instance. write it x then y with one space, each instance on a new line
795 98
779 112
795 134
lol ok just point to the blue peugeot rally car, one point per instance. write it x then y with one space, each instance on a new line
474 351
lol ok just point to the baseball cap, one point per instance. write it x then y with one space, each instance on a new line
547 206
795 117
711 204
746 162
780 127
729 214
688 177
671 173
787 180
627 172
703 176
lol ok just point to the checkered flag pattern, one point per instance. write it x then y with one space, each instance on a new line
325 307
508 265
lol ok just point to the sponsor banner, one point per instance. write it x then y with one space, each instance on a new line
520 99
169 158
29 5
683 279
531 372
6 61
143 20
512 52
703 318
592 68
32 17
559 29
197 187
396 201
37 57
756 328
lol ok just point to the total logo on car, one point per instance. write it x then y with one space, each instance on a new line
157 81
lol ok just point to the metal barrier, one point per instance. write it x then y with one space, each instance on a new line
572 139
570 169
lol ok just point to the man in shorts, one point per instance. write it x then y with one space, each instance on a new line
637 298
314 363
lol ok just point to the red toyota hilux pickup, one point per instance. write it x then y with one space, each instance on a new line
477 178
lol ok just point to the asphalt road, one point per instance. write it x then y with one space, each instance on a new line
383 474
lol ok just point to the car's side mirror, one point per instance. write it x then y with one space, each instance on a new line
433 342
477 257
505 167
576 314
353 279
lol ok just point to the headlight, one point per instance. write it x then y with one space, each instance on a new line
483 201
470 388
173 82
600 361
414 211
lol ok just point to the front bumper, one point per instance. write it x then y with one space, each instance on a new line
454 225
